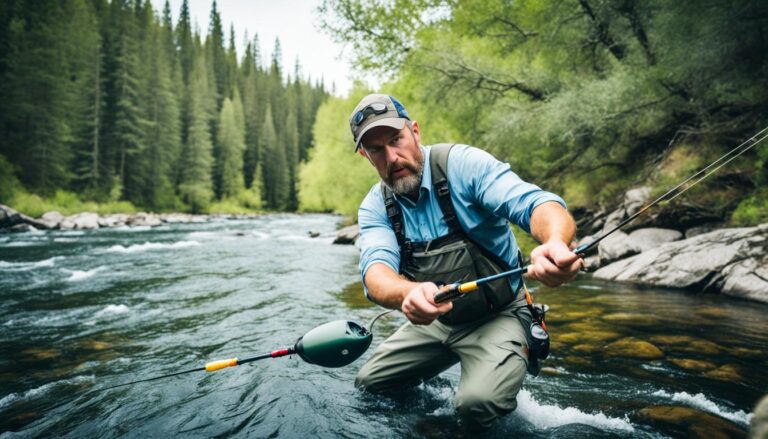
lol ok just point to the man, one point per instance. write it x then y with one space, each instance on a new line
413 235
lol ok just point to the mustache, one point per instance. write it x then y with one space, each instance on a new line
392 167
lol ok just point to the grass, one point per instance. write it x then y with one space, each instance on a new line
67 203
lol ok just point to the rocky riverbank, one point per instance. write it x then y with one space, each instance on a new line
13 221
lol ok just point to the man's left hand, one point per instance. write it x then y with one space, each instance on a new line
554 264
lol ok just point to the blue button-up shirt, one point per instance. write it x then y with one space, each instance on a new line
486 194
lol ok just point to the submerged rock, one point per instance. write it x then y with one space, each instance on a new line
347 235
728 372
633 348
631 319
692 365
689 422
734 261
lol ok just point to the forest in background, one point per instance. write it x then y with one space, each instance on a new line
587 98
113 102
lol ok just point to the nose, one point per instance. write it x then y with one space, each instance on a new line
391 154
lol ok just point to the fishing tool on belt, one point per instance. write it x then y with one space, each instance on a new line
333 344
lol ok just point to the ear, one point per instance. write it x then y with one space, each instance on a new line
416 132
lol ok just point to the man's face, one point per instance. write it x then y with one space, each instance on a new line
396 157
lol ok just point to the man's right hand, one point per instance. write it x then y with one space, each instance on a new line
419 304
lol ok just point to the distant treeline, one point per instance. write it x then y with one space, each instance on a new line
112 101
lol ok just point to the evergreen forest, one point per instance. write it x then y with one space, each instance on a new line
115 102
587 98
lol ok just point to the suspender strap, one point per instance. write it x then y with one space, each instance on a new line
438 165
394 214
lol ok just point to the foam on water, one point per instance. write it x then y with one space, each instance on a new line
131 228
260 235
151 246
78 275
701 402
26 266
45 388
550 416
113 309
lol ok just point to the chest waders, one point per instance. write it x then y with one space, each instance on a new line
455 257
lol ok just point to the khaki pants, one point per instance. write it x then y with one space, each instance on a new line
492 355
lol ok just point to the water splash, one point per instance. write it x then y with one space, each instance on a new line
700 401
151 246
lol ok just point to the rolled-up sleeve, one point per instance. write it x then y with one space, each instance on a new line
377 241
498 189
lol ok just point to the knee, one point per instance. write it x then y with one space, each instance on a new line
483 409
369 379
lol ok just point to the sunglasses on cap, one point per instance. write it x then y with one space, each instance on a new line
375 108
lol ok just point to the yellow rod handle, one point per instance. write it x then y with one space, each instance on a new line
220 364
467 287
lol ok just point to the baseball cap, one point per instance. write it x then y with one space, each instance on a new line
376 110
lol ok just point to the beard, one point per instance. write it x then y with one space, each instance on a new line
410 183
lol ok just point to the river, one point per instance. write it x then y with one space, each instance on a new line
84 310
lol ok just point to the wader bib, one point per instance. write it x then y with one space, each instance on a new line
454 257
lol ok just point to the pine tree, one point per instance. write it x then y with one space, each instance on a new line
274 167
231 147
196 185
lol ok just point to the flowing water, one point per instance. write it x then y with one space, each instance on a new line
84 310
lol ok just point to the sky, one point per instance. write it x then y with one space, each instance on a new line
295 22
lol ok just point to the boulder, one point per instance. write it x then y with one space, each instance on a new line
21 228
620 245
113 220
630 347
144 219
82 221
688 422
8 217
347 235
733 261
51 219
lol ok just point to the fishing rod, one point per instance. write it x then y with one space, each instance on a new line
452 291
333 344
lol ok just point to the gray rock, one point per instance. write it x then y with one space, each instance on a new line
113 220
620 245
347 235
615 246
634 199
733 261
646 239
144 219
8 217
699 230
83 221
21 228
51 219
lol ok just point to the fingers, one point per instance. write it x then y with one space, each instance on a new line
553 264
419 305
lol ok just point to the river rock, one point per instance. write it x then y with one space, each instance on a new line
82 221
8 216
22 228
620 245
347 235
51 219
689 422
144 219
692 365
758 427
734 261
633 348
729 372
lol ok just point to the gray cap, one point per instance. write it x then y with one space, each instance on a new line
366 116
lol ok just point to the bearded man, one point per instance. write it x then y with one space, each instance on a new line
441 215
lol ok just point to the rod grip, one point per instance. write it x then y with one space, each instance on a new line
447 292
220 364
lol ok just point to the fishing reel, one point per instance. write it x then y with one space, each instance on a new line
539 343
334 344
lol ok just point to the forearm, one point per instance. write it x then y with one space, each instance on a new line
385 287
550 221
